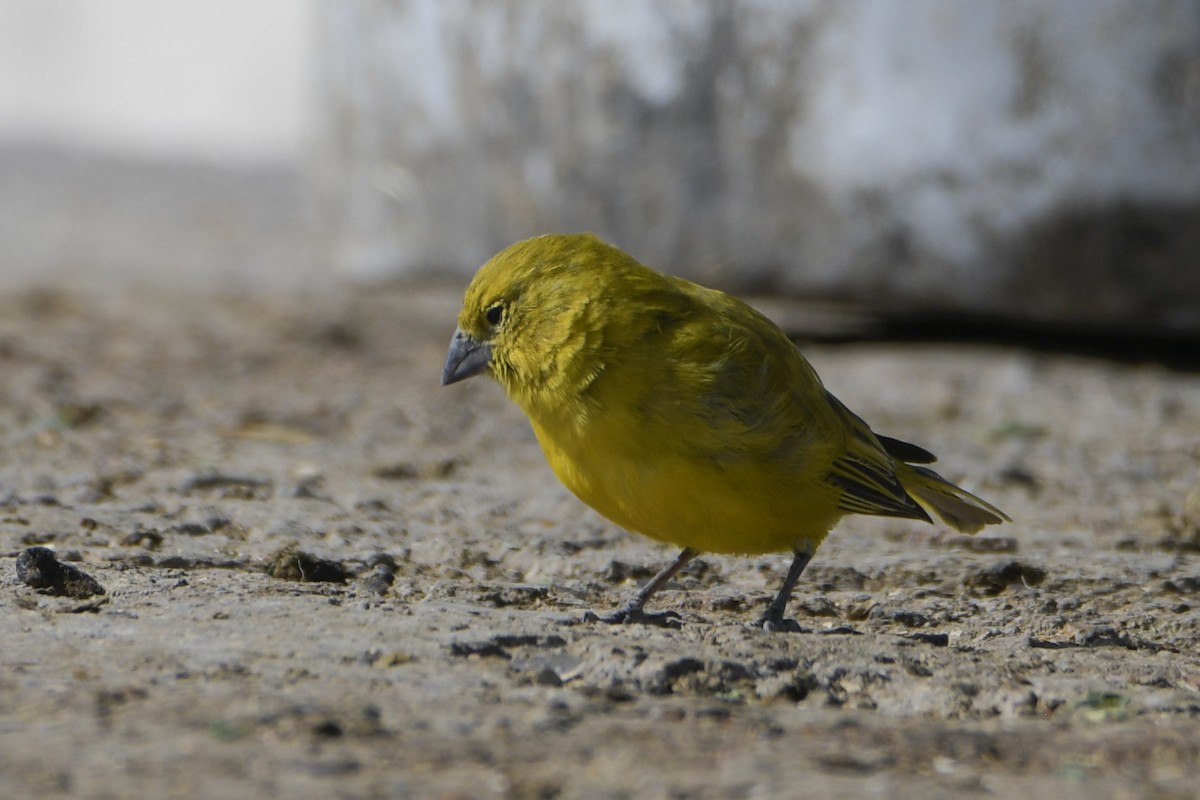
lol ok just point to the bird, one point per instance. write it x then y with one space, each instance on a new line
683 414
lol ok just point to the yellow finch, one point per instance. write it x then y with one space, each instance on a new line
681 413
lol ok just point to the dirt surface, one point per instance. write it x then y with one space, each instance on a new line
205 459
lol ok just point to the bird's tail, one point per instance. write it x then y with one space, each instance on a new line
954 505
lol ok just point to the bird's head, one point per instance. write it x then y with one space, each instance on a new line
532 309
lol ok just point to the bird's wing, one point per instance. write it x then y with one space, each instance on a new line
749 393
866 473
745 394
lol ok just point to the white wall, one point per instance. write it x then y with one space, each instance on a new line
1028 158
215 80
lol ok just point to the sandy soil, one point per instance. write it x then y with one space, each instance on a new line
172 446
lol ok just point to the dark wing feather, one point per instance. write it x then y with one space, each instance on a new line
905 451
866 473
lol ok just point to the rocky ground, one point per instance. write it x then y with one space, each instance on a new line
327 576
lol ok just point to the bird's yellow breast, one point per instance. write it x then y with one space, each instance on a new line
644 477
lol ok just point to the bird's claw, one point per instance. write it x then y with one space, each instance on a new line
636 616
773 624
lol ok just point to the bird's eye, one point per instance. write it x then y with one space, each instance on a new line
494 314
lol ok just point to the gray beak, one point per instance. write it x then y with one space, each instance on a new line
467 357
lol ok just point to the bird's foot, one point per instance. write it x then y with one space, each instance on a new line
631 615
777 624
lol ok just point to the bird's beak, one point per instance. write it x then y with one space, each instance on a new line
467 357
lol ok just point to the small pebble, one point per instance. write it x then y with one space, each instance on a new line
37 567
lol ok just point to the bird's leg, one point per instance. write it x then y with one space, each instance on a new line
772 619
632 611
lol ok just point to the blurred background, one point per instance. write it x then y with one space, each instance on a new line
156 144
1027 162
